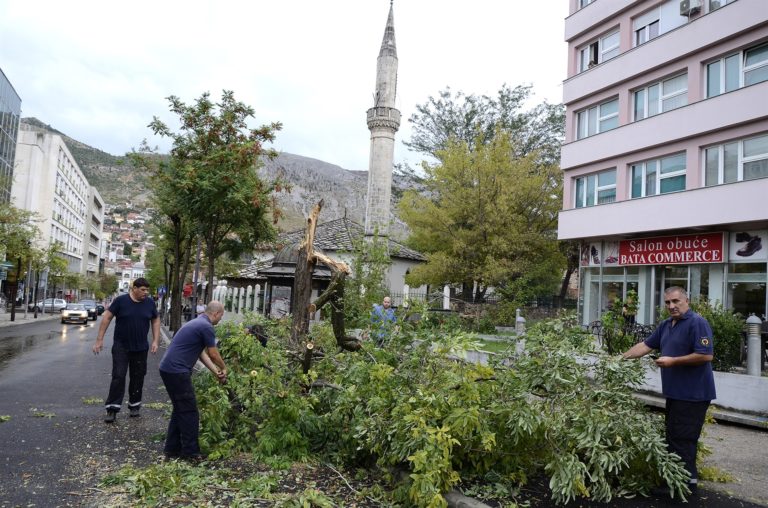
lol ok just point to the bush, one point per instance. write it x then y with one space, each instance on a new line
412 405
727 331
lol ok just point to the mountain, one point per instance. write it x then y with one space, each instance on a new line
310 180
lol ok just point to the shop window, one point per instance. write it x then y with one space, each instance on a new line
737 161
737 70
747 288
596 189
659 176
597 119
659 97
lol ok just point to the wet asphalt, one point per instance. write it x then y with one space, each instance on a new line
55 448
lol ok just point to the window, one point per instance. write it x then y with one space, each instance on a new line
584 3
594 189
646 27
596 119
599 51
735 71
658 176
664 96
736 161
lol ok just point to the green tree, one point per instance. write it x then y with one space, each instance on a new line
214 160
367 283
474 120
107 285
487 218
127 249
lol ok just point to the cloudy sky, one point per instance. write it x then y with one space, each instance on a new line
100 70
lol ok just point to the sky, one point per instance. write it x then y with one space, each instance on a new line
99 71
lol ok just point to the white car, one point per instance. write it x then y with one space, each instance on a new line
75 312
50 304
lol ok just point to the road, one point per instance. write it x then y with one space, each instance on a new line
55 448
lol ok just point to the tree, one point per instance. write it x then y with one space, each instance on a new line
213 161
474 119
127 249
487 218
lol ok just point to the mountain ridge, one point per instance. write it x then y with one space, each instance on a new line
343 191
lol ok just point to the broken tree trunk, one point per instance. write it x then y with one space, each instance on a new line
302 282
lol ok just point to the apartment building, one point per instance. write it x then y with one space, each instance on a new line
92 263
666 155
49 182
10 109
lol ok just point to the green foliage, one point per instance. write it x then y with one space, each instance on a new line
309 498
475 119
366 285
412 405
727 329
4 418
164 483
487 218
617 326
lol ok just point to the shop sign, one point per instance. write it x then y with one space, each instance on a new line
672 250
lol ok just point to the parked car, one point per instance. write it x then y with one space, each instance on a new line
91 307
74 312
50 305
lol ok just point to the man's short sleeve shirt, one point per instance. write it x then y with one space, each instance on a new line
187 345
691 334
132 320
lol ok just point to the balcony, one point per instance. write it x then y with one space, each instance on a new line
708 207
675 45
718 113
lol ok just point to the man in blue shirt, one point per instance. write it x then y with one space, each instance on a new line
383 318
686 345
134 313
196 339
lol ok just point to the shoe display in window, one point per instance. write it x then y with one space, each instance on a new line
595 257
753 245
743 237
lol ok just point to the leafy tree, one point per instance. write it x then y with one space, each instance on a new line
367 283
107 285
487 218
17 231
213 162
127 249
475 119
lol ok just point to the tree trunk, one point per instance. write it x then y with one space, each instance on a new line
335 296
302 281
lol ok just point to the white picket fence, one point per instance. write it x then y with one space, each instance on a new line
239 300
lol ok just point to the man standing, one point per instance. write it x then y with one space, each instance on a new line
196 339
383 318
686 345
134 312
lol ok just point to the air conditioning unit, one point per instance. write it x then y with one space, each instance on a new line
689 7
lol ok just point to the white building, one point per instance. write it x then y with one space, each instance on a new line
49 182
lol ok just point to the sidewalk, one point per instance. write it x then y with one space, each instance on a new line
5 317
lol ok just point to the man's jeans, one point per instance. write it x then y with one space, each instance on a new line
123 362
184 427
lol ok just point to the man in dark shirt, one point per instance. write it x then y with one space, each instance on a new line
686 345
134 313
196 339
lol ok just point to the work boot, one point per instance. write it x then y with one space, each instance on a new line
111 417
135 412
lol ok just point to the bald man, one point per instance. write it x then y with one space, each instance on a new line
195 340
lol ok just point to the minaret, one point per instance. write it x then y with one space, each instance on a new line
383 122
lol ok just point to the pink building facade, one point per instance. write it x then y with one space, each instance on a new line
666 154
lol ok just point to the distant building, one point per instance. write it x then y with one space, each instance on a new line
10 111
94 233
49 182
665 159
